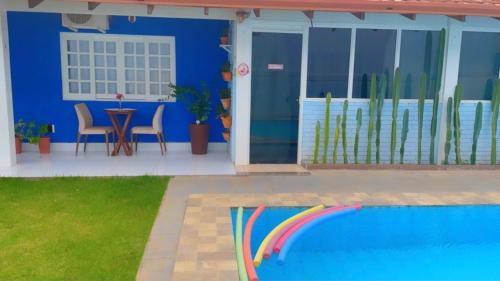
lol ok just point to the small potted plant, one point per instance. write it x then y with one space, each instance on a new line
227 75
198 103
42 138
20 128
224 39
224 117
226 135
225 98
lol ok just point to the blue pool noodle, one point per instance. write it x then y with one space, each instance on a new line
291 240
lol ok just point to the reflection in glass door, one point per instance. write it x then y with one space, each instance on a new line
276 68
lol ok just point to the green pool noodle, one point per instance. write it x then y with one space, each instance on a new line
242 272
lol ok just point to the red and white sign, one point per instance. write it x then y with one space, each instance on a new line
275 66
243 69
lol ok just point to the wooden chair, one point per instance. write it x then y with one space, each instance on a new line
86 127
155 129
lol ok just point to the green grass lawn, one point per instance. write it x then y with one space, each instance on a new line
76 228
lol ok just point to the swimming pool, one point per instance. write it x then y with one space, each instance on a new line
388 243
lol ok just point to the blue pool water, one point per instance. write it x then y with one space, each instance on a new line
388 243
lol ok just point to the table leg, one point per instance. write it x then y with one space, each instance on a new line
118 129
126 146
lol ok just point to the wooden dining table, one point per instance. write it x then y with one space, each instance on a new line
121 129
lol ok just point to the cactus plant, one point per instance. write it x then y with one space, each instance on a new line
404 136
495 104
395 105
478 124
380 107
336 139
359 122
327 127
456 122
344 130
421 102
371 116
316 143
447 145
435 106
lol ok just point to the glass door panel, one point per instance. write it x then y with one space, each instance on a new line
276 68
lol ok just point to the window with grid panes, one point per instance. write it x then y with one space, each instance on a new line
97 66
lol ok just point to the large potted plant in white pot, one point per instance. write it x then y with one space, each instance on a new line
198 103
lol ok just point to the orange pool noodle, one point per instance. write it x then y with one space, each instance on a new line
247 253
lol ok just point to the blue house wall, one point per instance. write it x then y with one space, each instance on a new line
37 83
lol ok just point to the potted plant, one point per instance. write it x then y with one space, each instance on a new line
198 103
119 97
225 70
42 138
20 128
225 98
224 117
224 39
226 135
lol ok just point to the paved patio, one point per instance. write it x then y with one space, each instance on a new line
199 207
96 163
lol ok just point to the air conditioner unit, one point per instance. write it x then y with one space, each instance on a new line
83 21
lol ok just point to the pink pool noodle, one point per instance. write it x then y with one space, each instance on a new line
286 235
286 247
272 242
247 254
280 241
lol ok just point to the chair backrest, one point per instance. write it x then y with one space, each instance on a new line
84 117
158 118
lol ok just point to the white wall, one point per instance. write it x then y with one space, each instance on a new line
7 145
240 134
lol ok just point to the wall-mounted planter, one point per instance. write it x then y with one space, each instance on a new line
224 40
226 103
227 76
19 145
226 135
226 121
44 145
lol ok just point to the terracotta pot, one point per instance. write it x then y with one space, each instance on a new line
199 138
226 103
226 121
19 145
227 76
226 136
44 145
224 40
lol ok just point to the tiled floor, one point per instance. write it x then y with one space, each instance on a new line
192 236
31 164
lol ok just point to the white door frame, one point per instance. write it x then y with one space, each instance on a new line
280 27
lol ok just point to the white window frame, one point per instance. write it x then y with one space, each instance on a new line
120 65
352 55
471 29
